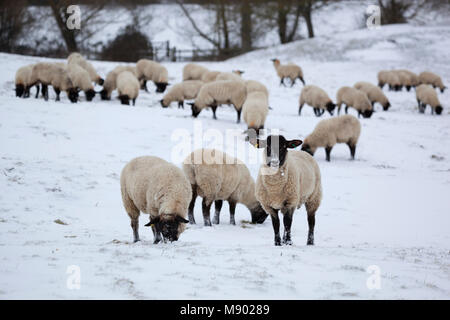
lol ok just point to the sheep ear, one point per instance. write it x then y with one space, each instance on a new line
181 219
153 220
293 143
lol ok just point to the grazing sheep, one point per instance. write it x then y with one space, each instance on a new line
328 132
23 81
153 71
154 186
290 70
232 76
110 82
255 110
286 180
61 82
425 94
216 176
356 99
409 79
316 98
81 80
77 58
128 87
193 71
209 76
215 93
374 94
42 73
185 90
433 79
255 86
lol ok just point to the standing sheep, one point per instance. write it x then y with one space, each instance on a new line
185 90
42 73
286 180
193 71
255 110
215 176
374 94
219 92
77 58
342 129
110 82
425 94
154 186
433 79
290 70
316 98
153 71
128 87
23 81
356 99
81 80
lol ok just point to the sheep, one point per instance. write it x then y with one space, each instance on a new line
110 82
328 132
316 98
77 58
42 73
151 70
81 80
232 76
193 71
215 176
209 76
374 94
393 80
286 180
425 94
254 110
254 86
290 70
356 99
433 79
61 82
408 79
127 87
154 186
22 81
215 93
182 91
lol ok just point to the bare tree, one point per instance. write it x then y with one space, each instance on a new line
14 19
399 11
246 25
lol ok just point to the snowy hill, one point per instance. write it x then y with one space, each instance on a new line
389 208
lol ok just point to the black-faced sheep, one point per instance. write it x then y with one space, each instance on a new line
179 92
81 80
254 110
127 87
153 71
433 79
374 94
316 98
77 58
426 95
356 99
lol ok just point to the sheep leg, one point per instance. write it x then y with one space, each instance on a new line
301 79
282 82
37 91
232 205
135 227
134 101
346 109
287 221
206 207
218 206
191 205
339 108
320 112
300 110
180 104
293 82
311 224
352 150
214 108
328 152
57 91
156 235
238 116
45 91
276 227
144 85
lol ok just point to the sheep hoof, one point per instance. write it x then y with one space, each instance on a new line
208 223
277 241
232 222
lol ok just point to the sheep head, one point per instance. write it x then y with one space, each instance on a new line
275 149
168 226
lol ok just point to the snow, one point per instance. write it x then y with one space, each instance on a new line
388 208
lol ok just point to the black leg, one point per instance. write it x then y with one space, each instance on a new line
45 91
287 221
276 227
206 212
214 108
232 205
359 114
328 152
301 79
37 91
135 227
292 82
311 223
238 116
191 205
180 104
57 91
321 112
300 110
144 85
346 109
134 101
315 111
218 206
352 150
156 235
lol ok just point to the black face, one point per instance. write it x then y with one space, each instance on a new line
104 95
90 94
367 113
258 214
276 149
20 89
73 95
161 86
168 228
439 109
162 103
124 99
443 89
386 107
195 110
101 81
307 148
330 107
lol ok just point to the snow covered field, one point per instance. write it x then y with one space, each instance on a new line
389 208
